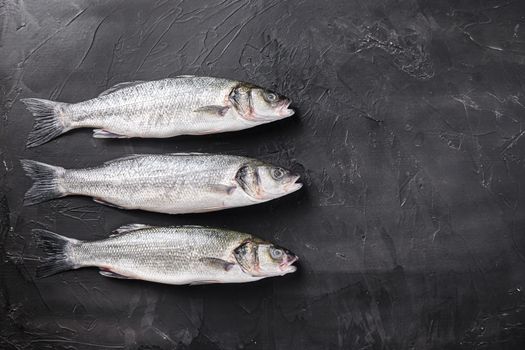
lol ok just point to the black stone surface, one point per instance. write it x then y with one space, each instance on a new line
408 134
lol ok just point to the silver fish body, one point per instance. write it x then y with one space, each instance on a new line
171 255
162 108
185 105
170 183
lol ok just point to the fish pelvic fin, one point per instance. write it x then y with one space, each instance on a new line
57 250
49 120
46 184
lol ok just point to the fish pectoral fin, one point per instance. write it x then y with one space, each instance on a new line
223 189
218 263
101 201
218 111
110 274
104 134
120 86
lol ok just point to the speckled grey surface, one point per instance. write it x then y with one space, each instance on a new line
408 134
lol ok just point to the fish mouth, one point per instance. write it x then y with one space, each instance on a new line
294 185
283 109
288 266
291 269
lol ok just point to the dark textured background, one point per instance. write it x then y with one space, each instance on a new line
409 137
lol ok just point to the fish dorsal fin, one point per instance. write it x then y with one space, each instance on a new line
128 228
191 226
137 156
131 156
189 154
120 86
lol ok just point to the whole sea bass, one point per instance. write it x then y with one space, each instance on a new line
184 105
169 183
172 255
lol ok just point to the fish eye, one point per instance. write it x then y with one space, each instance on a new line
277 173
276 253
271 97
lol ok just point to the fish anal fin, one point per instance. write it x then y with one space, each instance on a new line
218 263
111 274
101 201
120 86
218 111
198 283
104 134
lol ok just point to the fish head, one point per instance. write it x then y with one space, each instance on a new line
264 259
257 104
275 260
264 182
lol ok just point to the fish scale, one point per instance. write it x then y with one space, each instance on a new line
184 105
166 181
172 255
171 183
166 255
156 107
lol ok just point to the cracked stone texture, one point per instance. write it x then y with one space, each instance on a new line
408 135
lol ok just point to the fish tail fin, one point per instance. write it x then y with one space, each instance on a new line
46 184
49 120
57 251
